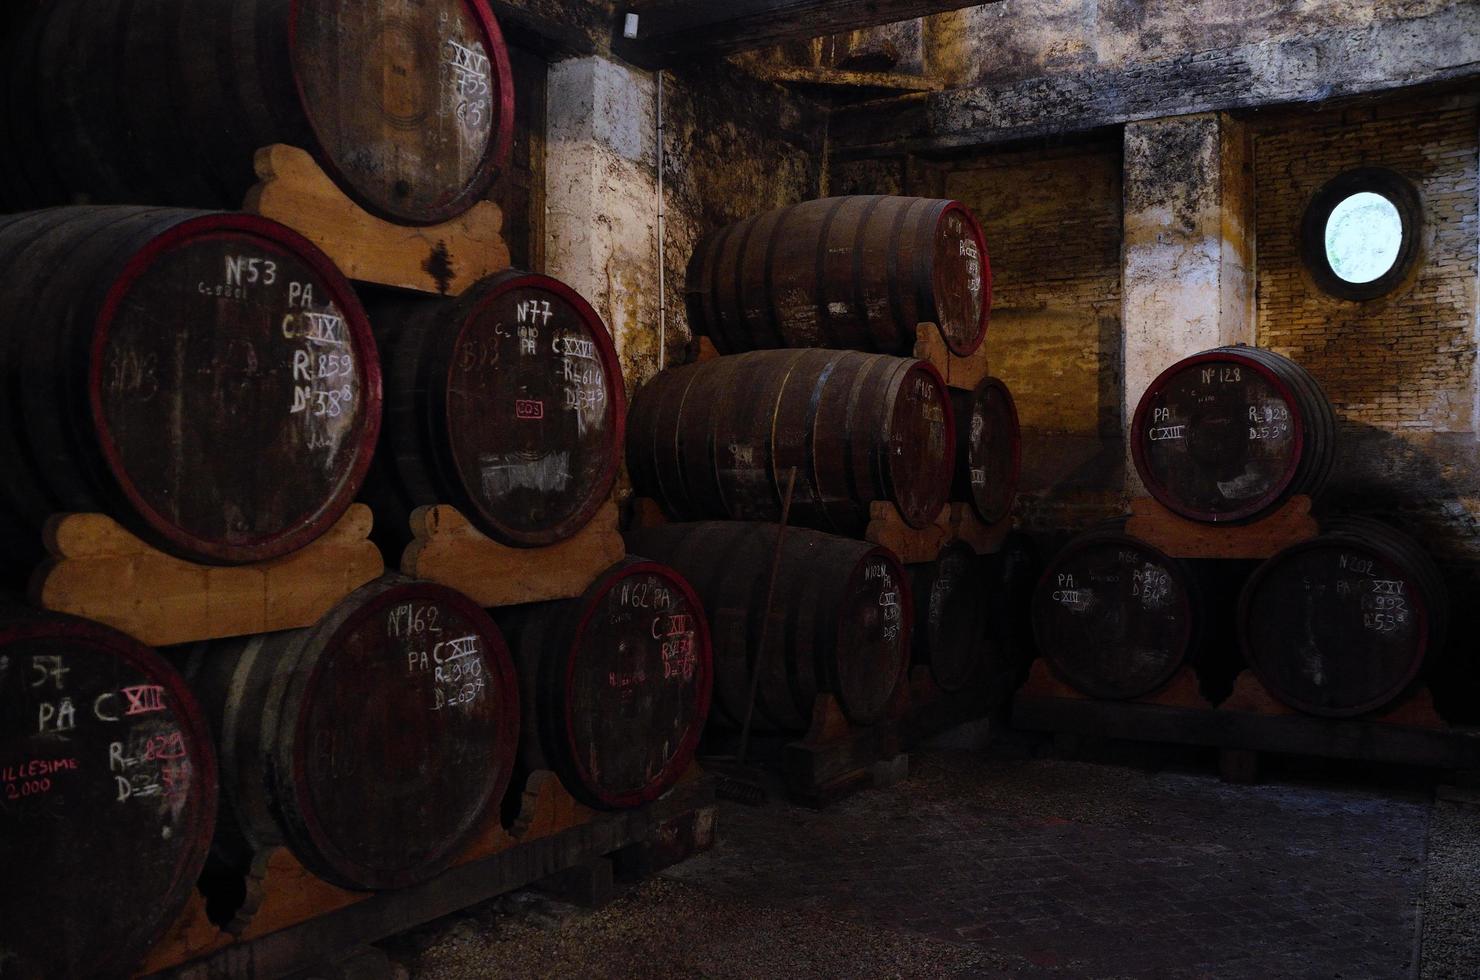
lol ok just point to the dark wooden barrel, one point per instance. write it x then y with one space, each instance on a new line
952 601
1114 617
408 104
717 438
372 744
1344 624
851 272
841 620
107 797
506 402
615 684
207 379
989 449
1230 434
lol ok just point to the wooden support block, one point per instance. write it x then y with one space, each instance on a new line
101 571
646 513
966 525
1239 766
547 808
445 258
447 549
835 759
589 885
960 372
1251 696
672 841
1178 537
707 350
1181 691
912 545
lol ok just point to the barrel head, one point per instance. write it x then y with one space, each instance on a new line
962 278
1218 437
874 618
951 608
535 410
401 725
411 101
1113 616
921 445
235 389
989 443
638 682
107 797
1335 626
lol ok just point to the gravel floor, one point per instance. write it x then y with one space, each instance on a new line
976 867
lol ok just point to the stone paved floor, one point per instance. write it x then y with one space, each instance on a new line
977 867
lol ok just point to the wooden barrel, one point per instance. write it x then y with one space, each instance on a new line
207 379
1230 434
615 684
846 272
1114 617
951 596
717 438
407 104
1344 624
506 402
372 744
841 620
989 449
107 797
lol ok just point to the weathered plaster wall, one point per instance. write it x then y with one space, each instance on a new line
732 146
1400 369
1188 245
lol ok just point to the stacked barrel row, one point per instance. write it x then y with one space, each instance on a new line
1341 625
815 309
210 380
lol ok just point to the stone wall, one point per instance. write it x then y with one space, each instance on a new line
1400 369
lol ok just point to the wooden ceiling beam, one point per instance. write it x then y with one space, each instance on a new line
671 32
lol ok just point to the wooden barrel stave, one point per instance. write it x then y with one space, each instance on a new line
842 622
615 684
93 382
718 438
847 272
1230 434
989 449
1114 617
374 744
1347 623
179 95
107 793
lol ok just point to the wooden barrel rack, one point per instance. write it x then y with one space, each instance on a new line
1396 725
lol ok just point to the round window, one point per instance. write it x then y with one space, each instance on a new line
1359 233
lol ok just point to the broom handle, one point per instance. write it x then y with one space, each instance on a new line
760 647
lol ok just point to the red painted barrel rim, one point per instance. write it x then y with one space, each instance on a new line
204 787
1017 450
495 156
496 658
947 465
617 394
683 756
906 629
1119 540
1160 492
1256 580
984 320
270 546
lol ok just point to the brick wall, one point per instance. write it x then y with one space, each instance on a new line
1400 370
1053 224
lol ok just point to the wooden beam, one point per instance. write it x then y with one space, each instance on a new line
670 32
